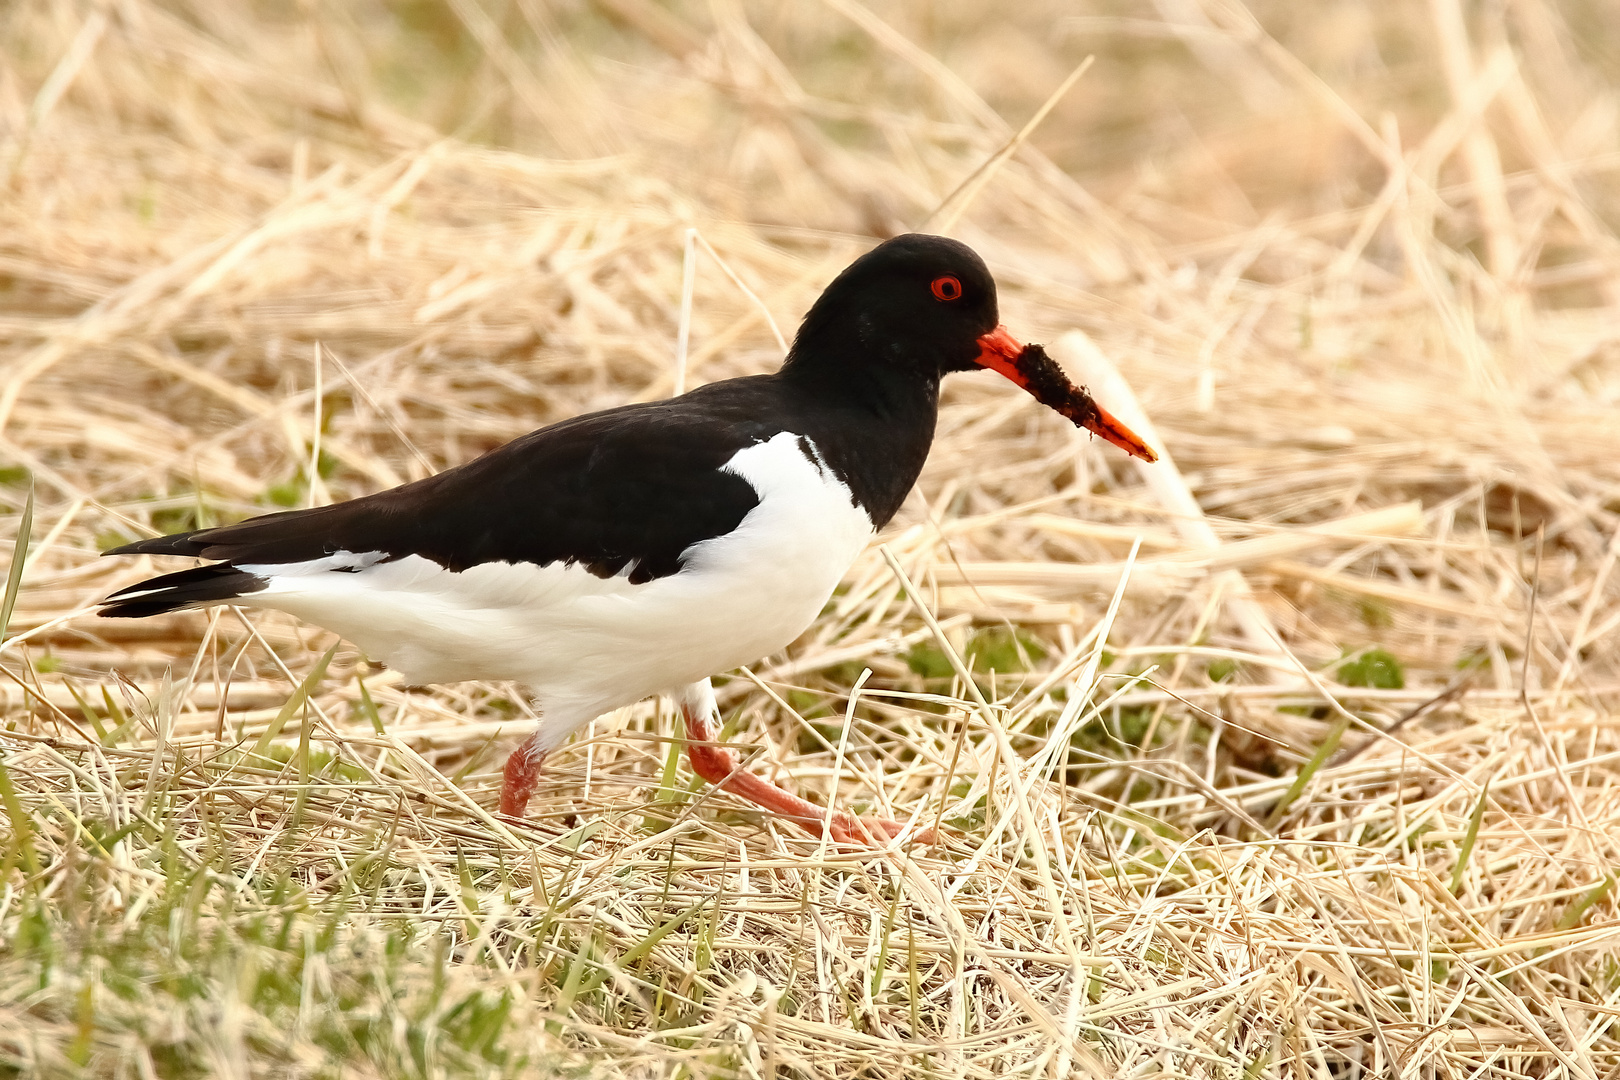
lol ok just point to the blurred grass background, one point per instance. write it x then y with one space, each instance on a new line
1326 787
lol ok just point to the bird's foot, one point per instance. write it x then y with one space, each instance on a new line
851 832
719 766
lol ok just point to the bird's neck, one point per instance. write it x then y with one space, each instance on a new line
876 423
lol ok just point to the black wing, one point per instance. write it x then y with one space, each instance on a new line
630 488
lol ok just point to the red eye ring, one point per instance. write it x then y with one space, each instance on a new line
948 287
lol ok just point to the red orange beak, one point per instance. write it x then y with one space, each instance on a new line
1043 380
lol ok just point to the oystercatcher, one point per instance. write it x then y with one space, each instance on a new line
644 548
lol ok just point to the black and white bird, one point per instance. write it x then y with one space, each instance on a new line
641 549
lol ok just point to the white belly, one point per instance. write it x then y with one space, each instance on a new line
584 645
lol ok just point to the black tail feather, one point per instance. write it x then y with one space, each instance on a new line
176 544
197 587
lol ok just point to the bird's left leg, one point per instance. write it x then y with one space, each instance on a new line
519 779
719 766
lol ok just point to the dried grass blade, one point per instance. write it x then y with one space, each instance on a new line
963 195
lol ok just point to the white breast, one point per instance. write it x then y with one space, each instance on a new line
584 645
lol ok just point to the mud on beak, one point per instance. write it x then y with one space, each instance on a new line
1043 380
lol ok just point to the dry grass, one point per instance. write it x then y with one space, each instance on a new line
1327 785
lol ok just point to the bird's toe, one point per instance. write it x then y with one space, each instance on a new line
849 831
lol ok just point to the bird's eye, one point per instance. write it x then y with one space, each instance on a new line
947 288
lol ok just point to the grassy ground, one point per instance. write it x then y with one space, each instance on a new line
1292 755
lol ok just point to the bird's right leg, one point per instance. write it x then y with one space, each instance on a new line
519 779
719 766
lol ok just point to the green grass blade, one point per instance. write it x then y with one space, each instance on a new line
300 803
638 950
1572 915
1311 767
294 703
1468 840
368 708
19 556
575 974
667 792
22 829
115 716
883 946
87 710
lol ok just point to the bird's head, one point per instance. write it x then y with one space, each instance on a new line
927 305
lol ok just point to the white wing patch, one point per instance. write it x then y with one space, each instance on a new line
349 562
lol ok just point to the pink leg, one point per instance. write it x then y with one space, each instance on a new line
519 779
719 766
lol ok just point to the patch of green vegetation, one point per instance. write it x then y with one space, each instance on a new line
320 761
294 491
504 707
1375 613
993 648
819 737
178 519
232 951
844 675
1132 724
1139 790
379 1000
974 817
808 703
1373 668
1107 740
928 660
288 494
47 664
1005 651
1222 669
197 512
14 475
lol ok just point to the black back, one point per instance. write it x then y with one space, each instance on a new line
627 488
